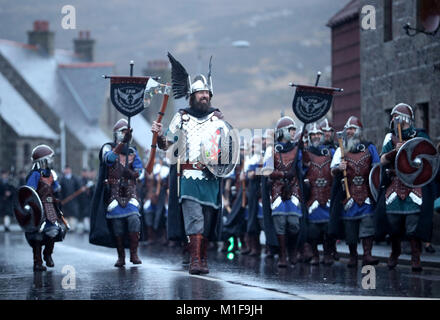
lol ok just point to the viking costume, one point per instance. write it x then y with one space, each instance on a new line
357 211
285 188
156 204
115 207
403 210
254 224
235 214
52 227
195 197
319 179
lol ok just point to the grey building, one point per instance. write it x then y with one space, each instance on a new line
393 66
62 101
398 68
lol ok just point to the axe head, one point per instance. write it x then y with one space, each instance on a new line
154 88
340 134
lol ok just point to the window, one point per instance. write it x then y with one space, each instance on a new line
387 20
421 115
26 152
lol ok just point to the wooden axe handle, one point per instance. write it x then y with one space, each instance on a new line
341 147
161 113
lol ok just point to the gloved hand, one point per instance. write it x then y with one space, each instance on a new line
128 135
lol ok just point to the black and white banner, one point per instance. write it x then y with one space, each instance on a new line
311 103
127 94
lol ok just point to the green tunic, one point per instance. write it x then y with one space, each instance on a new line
406 206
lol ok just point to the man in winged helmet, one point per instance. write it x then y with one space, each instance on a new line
195 198
405 207
44 181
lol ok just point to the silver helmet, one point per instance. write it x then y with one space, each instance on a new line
118 129
181 81
42 157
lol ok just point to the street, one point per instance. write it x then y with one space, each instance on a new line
86 272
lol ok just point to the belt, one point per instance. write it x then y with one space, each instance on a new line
192 166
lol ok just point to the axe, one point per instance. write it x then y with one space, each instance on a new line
341 147
153 88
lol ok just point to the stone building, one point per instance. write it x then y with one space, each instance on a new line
393 66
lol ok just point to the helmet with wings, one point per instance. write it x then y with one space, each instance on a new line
181 81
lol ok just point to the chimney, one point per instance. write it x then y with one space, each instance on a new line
42 37
84 46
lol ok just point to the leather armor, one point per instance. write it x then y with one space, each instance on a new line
281 186
121 189
320 178
45 191
358 170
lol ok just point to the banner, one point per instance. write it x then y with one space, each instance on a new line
127 94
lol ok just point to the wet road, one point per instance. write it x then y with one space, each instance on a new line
84 271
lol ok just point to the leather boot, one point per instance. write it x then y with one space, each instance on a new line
327 246
307 252
416 250
204 256
38 262
293 252
367 259
121 252
195 246
151 236
134 243
353 261
47 253
396 250
333 250
246 244
315 257
185 253
256 246
282 262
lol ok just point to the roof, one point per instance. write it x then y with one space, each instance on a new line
74 90
13 107
141 131
347 13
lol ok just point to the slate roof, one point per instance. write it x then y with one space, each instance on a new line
74 90
13 107
349 12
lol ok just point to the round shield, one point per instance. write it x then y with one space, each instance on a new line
417 162
28 209
220 148
374 180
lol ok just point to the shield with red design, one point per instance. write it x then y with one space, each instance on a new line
374 180
417 162
28 209
220 148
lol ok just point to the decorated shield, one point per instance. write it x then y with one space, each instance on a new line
312 103
28 209
220 148
417 162
374 180
127 94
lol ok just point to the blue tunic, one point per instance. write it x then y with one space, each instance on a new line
356 211
321 214
130 209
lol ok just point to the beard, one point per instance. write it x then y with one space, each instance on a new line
201 105
352 143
